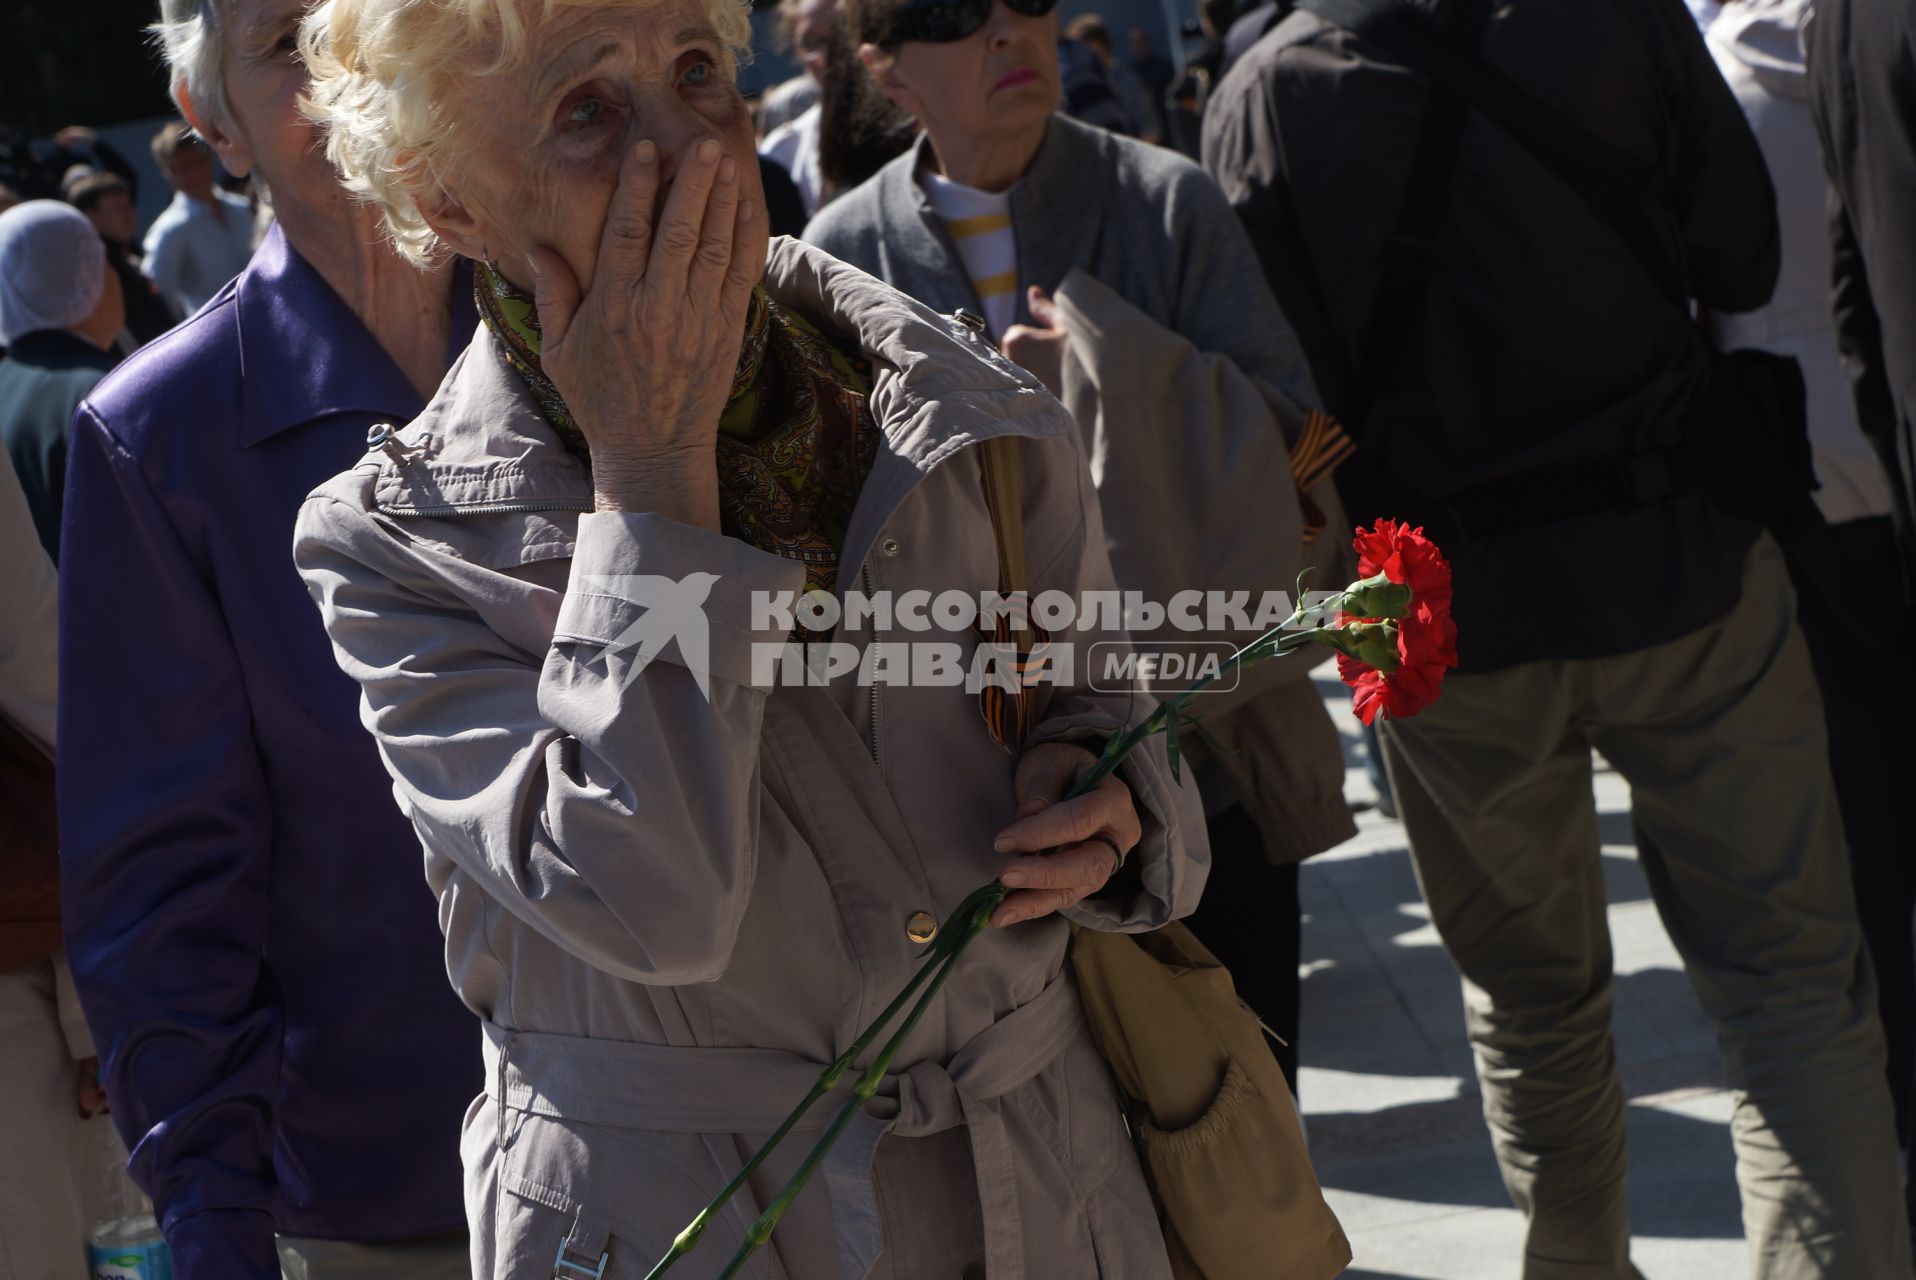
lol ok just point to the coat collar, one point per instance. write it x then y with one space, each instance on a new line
482 447
304 354
1072 170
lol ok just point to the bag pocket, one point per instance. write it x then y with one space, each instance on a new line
1239 1199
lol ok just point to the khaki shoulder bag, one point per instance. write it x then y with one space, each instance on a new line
1216 1128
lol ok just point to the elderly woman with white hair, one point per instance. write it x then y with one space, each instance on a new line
243 916
674 881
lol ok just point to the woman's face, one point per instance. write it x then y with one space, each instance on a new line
540 144
1000 81
262 129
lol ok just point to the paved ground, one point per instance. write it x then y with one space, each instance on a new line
1391 1099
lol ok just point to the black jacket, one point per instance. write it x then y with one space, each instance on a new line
1541 342
43 378
1864 102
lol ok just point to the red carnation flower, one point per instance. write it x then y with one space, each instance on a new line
1426 634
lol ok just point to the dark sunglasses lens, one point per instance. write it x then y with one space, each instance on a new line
941 21
1031 8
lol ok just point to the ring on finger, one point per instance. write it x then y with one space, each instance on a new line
1117 854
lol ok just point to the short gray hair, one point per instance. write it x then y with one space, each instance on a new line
188 33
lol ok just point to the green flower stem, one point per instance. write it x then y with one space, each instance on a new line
828 1079
981 904
964 924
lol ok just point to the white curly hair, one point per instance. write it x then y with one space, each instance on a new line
378 68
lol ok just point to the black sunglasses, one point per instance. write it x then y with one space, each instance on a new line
943 21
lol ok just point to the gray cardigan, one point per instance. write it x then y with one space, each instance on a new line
1141 219
1152 227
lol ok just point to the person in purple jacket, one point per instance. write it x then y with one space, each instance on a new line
258 959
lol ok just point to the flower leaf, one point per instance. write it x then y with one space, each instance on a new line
1171 749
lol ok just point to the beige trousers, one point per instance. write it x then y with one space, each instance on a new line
50 1175
1720 735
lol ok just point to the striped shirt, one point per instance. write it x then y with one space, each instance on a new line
979 223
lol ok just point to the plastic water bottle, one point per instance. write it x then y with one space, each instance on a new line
125 1242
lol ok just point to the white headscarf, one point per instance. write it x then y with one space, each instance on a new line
52 268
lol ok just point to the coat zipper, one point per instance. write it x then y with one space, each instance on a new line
485 509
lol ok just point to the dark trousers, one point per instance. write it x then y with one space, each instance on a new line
1250 919
1859 621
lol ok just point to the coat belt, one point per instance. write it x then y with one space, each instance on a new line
679 1089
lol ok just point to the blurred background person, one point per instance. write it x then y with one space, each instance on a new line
1862 99
50 1179
1520 356
788 116
1002 200
1186 99
804 30
107 202
38 169
793 147
260 965
1150 67
60 316
205 237
1146 115
1089 92
1846 571
860 129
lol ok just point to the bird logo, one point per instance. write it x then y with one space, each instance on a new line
671 609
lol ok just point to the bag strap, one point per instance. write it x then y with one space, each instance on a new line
1615 184
1409 253
998 457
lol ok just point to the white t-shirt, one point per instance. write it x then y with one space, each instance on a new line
1759 52
191 253
979 223
794 147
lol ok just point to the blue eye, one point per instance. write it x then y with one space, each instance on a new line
588 110
699 73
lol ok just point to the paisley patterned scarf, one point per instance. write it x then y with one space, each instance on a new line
796 440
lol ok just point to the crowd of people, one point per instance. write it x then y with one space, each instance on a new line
354 491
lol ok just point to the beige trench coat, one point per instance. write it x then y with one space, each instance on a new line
1125 378
669 908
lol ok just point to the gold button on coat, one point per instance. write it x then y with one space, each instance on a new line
921 928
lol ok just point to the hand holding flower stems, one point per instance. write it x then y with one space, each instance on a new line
1394 639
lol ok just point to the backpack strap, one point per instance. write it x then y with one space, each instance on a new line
1409 255
1615 184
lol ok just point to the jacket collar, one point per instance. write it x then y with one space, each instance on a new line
1072 170
304 354
481 445
59 349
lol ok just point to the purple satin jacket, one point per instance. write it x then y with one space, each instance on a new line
256 948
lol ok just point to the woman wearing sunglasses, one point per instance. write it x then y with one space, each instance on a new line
1116 272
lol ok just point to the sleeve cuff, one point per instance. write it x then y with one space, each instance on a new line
223 1244
672 591
1173 857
